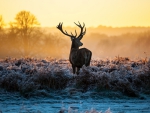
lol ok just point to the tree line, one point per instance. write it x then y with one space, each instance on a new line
24 37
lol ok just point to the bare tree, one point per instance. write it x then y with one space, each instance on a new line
2 24
24 26
2 36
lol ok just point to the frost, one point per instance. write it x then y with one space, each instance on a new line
70 110
30 75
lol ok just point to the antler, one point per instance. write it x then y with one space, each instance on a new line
65 33
81 33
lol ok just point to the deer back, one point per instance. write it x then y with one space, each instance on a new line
79 57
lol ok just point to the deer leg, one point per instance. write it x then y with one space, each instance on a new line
74 69
78 69
89 59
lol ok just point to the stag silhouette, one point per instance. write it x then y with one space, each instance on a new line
78 57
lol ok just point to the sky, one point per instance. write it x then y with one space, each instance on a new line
115 13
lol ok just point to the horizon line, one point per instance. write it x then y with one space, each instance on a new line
104 26
98 26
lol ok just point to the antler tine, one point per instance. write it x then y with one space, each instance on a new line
60 28
83 24
61 24
79 23
81 27
66 32
84 31
71 34
75 33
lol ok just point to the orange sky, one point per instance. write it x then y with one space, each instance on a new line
49 13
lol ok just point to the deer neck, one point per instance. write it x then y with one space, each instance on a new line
74 47
73 52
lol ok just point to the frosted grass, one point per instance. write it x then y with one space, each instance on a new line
30 76
119 79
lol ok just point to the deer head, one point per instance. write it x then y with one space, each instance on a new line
74 38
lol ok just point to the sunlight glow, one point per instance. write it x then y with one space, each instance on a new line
114 13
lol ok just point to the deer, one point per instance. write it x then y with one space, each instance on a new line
78 57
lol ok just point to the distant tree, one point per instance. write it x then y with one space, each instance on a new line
2 36
24 27
2 24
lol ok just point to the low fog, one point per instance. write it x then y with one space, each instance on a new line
104 42
133 45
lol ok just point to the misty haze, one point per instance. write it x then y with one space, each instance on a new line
104 42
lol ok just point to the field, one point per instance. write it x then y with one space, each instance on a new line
115 79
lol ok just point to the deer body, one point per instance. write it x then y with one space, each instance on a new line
78 57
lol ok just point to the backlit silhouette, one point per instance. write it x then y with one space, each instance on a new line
78 57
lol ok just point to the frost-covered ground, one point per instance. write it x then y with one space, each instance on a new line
18 104
48 85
